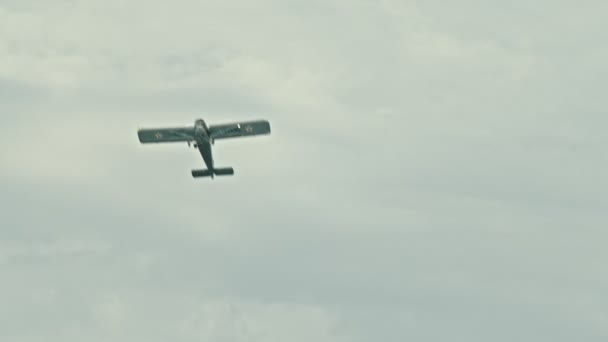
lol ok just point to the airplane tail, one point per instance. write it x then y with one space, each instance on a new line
202 173
228 171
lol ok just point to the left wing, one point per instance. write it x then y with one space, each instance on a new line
160 135
239 129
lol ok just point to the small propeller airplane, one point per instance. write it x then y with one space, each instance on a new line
202 137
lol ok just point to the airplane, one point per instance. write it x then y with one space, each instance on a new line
203 137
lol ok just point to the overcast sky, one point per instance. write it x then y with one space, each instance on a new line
436 171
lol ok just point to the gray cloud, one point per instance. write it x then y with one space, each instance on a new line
435 172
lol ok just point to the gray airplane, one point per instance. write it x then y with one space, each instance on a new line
202 137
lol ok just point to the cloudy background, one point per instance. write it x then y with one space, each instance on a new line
436 171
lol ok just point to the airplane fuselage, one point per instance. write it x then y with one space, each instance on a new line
203 141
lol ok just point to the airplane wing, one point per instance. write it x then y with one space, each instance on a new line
239 129
161 135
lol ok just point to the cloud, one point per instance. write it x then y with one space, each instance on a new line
434 171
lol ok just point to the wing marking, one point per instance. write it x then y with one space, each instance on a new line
161 135
239 129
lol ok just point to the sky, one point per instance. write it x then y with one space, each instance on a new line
436 171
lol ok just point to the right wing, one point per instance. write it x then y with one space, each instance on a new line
160 135
239 129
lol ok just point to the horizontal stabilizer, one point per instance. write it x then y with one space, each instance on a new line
202 173
228 171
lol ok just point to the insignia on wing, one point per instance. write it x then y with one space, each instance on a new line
158 135
249 129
